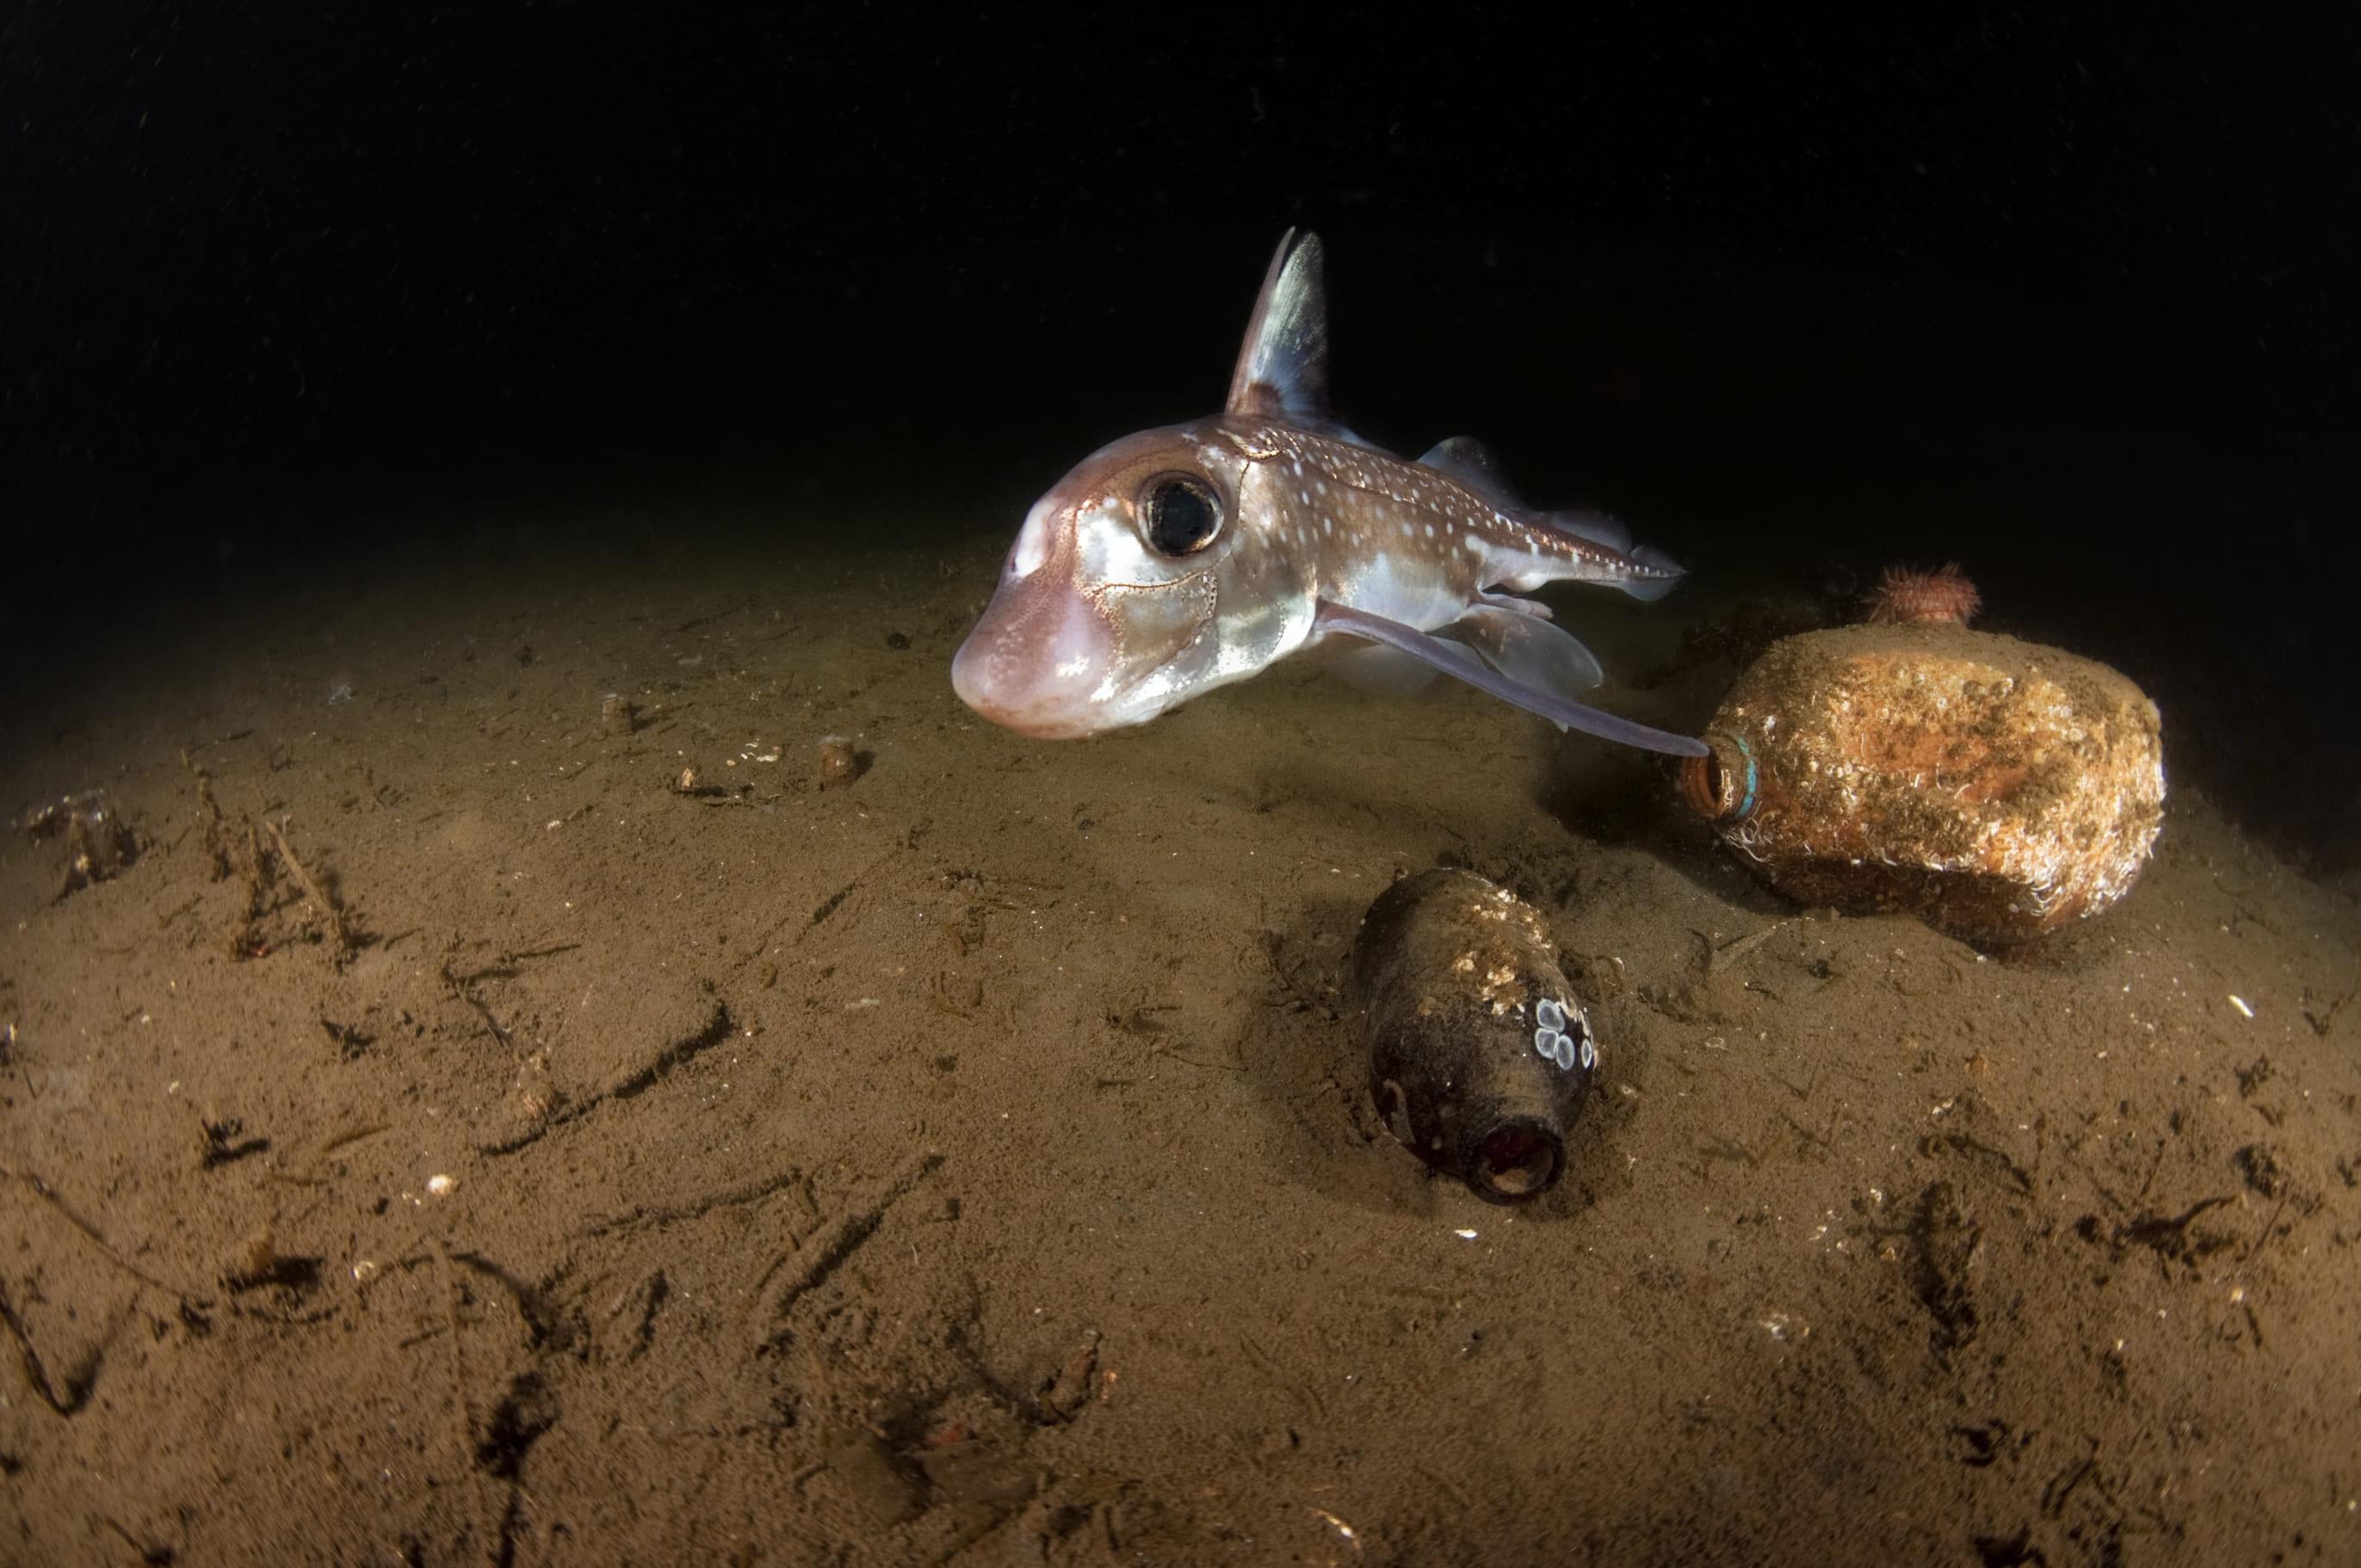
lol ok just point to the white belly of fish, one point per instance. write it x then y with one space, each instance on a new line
1426 584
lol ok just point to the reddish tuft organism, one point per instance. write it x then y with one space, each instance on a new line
1904 597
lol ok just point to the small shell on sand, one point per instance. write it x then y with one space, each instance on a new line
839 762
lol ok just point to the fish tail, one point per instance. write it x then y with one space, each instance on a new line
1664 573
1655 573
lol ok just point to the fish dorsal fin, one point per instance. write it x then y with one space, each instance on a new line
1471 463
1283 367
1595 526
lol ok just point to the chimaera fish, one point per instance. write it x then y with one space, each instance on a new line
1182 559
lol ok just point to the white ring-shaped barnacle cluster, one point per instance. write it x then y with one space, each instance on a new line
1564 1035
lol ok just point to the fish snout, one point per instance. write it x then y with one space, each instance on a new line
1037 663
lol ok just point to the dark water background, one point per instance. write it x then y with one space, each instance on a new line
292 291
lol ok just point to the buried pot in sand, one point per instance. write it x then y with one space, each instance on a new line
1997 788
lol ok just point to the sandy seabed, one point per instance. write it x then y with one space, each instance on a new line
972 1163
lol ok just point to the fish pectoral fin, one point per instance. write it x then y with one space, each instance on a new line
1526 649
1461 664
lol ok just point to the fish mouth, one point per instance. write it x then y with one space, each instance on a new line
1037 663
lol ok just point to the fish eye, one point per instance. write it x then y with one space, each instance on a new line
1179 514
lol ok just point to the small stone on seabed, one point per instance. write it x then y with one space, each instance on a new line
839 762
